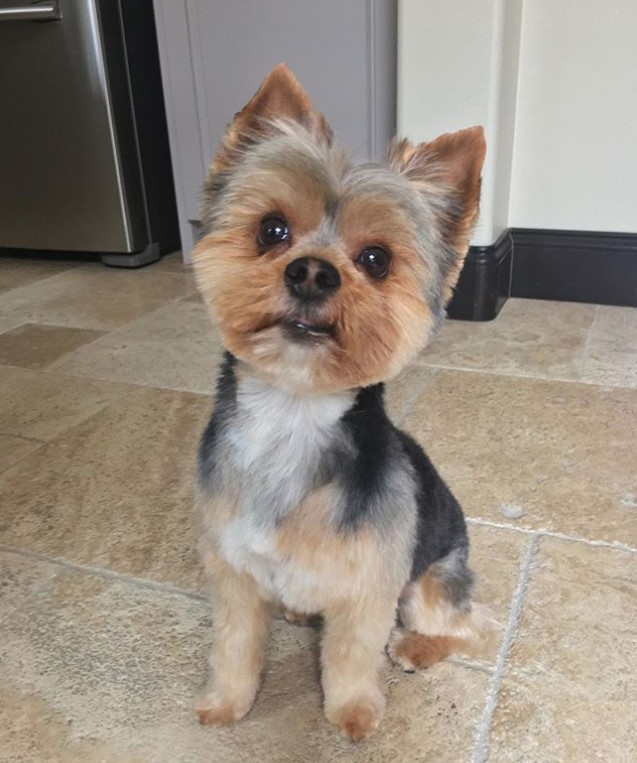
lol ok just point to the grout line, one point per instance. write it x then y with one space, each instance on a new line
482 743
103 572
617 545
530 377
138 385
414 396
70 267
471 665
52 371
21 436
587 342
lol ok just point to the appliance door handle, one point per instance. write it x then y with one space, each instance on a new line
48 11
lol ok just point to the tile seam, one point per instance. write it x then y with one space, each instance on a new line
414 396
460 662
533 377
106 574
6 292
5 433
481 749
138 385
617 545
63 323
587 341
50 371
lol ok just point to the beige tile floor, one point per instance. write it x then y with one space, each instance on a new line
104 387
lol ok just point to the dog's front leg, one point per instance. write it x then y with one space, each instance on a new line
240 628
352 652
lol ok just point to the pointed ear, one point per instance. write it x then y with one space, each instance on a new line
453 162
279 97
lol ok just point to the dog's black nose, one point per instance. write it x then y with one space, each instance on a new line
311 279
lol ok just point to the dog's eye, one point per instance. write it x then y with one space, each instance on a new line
273 230
375 261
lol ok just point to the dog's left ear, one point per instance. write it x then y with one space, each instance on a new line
449 165
279 97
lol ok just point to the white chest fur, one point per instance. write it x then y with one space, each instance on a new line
276 441
274 445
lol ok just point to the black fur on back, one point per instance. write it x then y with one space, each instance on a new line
441 527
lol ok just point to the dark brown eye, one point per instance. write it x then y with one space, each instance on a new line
273 230
375 260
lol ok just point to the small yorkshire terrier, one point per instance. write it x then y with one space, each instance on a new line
325 279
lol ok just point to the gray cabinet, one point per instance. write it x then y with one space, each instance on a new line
214 54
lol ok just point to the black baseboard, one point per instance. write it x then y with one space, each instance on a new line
575 266
569 266
484 283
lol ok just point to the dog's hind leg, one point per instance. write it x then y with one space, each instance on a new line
437 616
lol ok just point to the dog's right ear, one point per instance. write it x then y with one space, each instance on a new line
279 97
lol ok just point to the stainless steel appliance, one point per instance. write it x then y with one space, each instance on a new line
84 154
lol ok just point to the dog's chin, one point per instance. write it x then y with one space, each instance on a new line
292 354
306 357
302 331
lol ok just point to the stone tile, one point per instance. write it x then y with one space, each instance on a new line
405 389
18 271
37 345
99 670
496 558
611 353
174 346
528 338
12 449
116 490
172 263
40 406
19 577
538 454
194 297
93 297
568 690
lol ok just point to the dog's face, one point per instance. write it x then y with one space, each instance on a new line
322 275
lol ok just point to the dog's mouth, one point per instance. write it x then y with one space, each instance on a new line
304 330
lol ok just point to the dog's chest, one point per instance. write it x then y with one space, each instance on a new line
275 445
304 562
277 442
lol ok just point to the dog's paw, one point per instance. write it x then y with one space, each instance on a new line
358 718
213 710
412 651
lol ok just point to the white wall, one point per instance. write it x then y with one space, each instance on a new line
575 149
554 82
457 67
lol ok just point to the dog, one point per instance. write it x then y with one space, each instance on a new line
325 279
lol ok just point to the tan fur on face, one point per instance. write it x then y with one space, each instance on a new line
277 158
379 325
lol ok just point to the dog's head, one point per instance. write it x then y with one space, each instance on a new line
320 274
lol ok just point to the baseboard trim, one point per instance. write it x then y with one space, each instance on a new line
575 266
485 281
563 265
